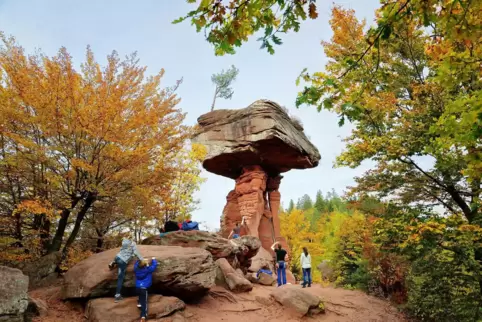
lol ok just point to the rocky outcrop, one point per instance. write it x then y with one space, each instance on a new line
187 273
254 146
13 294
263 259
42 272
266 279
237 252
236 282
262 134
105 309
37 307
299 301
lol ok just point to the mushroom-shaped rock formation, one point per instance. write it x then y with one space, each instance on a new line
254 145
261 134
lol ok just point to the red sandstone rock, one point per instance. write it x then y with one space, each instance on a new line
253 146
236 282
262 134
185 272
105 309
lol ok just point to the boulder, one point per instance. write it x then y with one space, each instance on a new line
326 271
42 271
105 309
266 279
243 248
261 134
263 259
187 273
235 282
298 300
37 307
13 294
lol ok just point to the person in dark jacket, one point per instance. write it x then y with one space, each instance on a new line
143 272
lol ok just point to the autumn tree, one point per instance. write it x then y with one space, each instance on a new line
297 230
228 24
70 139
413 96
223 81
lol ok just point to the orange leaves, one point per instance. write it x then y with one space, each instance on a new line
35 207
102 131
347 33
313 14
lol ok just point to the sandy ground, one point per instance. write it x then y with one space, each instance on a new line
257 306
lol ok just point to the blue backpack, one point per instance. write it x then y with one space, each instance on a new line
191 225
266 271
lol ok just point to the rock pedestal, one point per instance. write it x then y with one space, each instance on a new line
257 199
253 146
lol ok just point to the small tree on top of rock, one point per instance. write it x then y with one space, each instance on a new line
223 82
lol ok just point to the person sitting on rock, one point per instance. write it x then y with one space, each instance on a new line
128 250
280 263
236 232
143 272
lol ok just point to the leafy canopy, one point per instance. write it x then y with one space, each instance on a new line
227 24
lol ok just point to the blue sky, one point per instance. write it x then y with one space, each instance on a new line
145 26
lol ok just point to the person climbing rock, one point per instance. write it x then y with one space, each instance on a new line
143 272
236 232
280 263
305 261
128 250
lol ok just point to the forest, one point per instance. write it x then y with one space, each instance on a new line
89 155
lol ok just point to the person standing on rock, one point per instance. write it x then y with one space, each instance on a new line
236 232
280 263
128 250
305 262
143 272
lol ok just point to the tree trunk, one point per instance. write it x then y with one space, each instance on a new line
42 224
59 233
214 99
80 217
100 241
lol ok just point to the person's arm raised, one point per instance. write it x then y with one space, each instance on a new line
274 245
136 252
153 266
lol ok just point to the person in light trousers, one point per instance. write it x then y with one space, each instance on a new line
305 262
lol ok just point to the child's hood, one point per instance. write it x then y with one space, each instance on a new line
126 242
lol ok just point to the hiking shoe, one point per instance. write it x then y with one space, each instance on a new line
112 265
138 306
118 298
143 319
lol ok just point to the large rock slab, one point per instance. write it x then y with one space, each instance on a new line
13 294
105 309
187 273
243 248
299 301
236 282
263 259
261 134
42 272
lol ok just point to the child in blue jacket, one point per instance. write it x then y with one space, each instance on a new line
143 272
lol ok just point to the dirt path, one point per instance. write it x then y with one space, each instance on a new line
256 306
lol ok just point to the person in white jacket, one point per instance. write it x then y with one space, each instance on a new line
305 262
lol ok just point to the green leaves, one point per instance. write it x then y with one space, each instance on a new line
237 20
